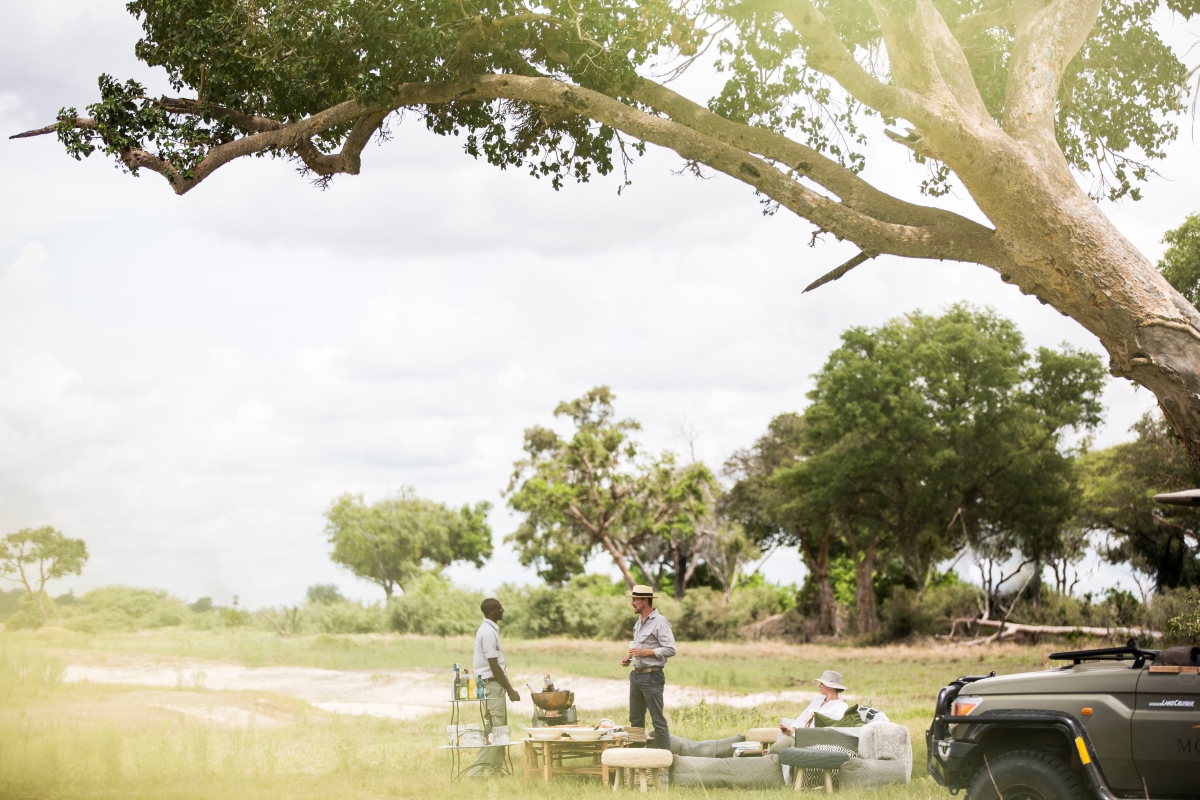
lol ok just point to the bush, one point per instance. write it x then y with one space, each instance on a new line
324 593
344 617
121 608
902 616
202 605
1183 628
10 602
706 615
28 615
434 606
579 611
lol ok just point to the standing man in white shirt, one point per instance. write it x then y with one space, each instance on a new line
489 668
828 703
653 643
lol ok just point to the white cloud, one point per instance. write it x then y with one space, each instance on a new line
188 382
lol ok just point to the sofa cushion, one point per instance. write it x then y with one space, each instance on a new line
762 772
708 748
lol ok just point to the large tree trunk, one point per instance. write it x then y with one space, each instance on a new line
618 558
818 565
680 572
1057 244
1068 254
864 585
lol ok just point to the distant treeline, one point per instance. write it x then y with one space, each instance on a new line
589 607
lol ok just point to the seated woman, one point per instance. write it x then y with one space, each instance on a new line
827 704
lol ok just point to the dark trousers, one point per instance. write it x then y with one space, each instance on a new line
646 694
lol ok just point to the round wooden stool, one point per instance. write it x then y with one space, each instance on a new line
644 762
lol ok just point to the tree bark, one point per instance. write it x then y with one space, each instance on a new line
619 559
818 565
680 571
864 586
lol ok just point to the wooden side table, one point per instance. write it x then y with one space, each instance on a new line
547 757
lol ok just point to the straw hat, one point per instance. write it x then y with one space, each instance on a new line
641 590
831 679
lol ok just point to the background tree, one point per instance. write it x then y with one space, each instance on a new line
33 556
393 541
1118 499
1009 99
1180 264
576 493
725 549
927 422
669 505
772 515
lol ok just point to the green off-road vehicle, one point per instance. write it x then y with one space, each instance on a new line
1117 722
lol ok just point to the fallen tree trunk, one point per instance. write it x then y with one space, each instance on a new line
1017 627
1013 628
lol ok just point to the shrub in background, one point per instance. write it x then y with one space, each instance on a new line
28 615
344 617
325 593
432 605
1181 609
582 610
122 608
903 616
10 602
705 614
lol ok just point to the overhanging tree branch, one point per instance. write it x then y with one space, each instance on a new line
827 53
1044 44
916 232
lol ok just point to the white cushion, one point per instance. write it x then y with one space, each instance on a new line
636 757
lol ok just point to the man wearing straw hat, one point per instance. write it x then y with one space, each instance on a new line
828 703
653 643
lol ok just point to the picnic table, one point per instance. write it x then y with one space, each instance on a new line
548 757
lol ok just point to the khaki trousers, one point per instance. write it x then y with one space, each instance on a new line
490 760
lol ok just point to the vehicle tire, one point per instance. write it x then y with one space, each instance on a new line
1026 775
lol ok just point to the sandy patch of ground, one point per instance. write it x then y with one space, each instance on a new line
397 694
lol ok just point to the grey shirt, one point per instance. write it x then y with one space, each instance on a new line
487 645
653 633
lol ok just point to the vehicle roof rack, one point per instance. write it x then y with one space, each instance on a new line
1108 654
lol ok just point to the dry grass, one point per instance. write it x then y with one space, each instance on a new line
82 741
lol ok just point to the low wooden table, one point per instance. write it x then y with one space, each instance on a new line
547 757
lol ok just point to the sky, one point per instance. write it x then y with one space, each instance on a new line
187 383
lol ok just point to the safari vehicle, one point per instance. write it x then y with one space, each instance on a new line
1109 723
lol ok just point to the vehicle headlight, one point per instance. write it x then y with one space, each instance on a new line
965 704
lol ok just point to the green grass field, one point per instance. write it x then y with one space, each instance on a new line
71 740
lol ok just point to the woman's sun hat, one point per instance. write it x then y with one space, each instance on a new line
832 679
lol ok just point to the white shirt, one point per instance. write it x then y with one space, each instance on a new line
487 645
834 709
